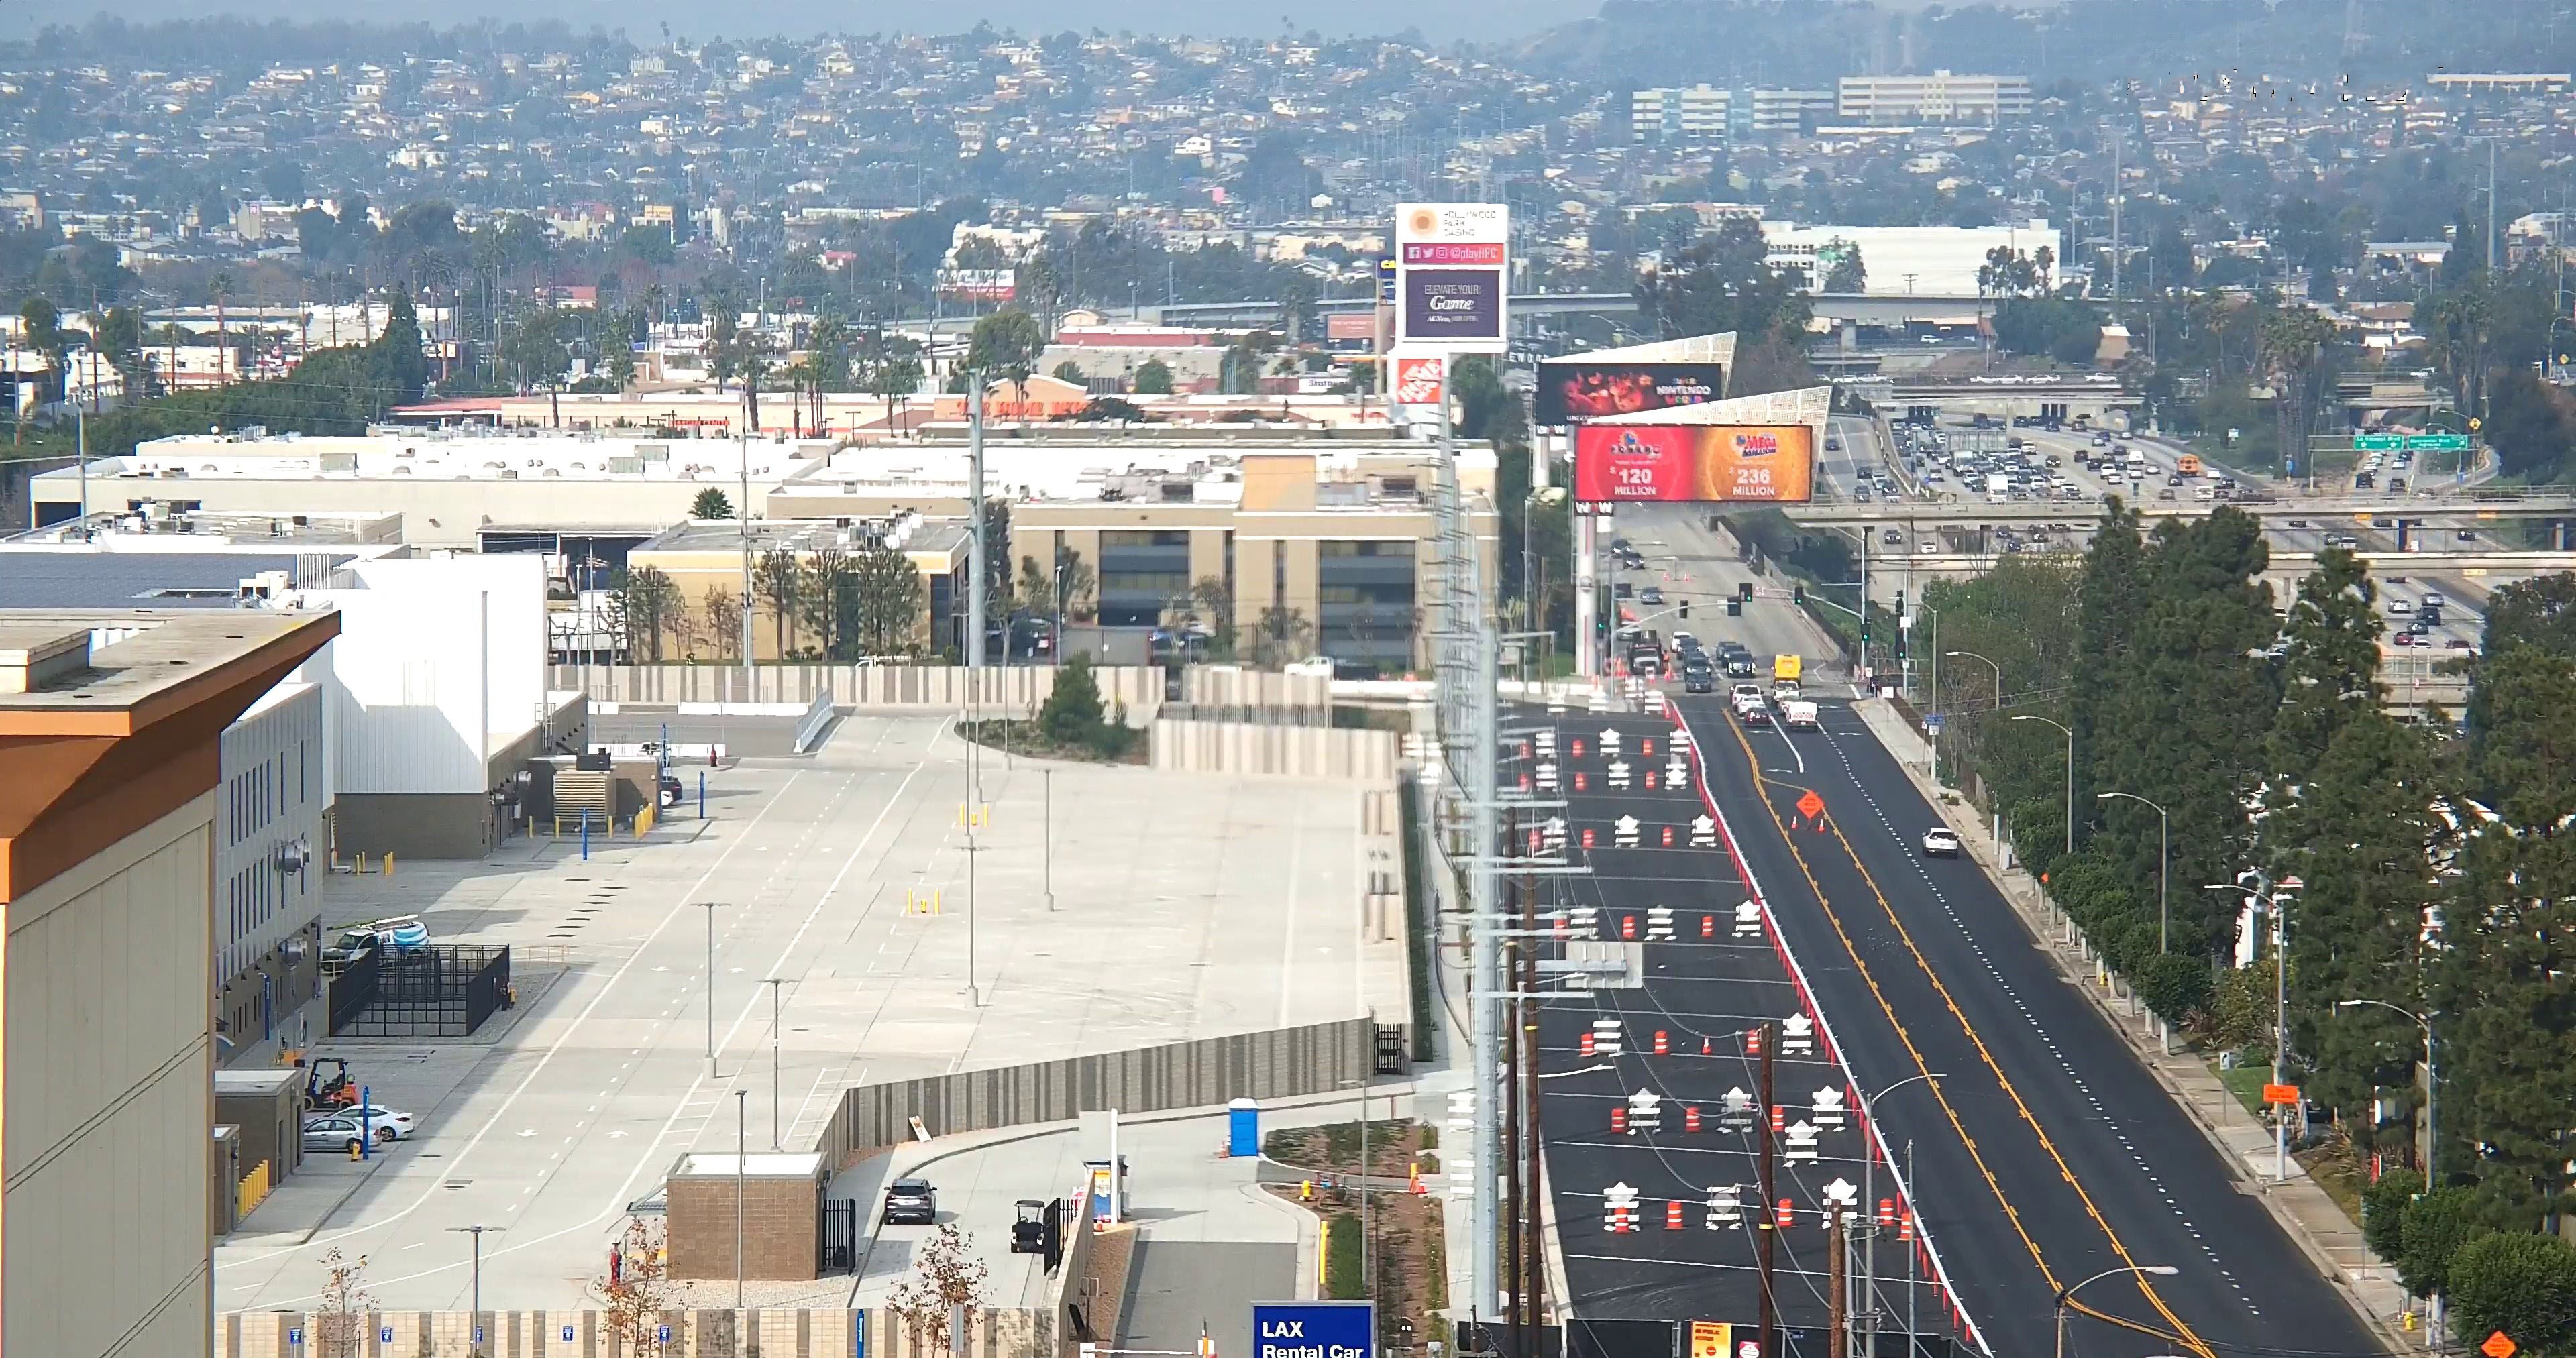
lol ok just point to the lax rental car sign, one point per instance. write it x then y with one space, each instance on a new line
1314 1329
1453 273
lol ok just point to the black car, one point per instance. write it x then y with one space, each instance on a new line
911 1200
1699 677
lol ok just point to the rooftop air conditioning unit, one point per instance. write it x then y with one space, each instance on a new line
293 856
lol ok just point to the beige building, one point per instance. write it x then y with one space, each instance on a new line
1336 533
110 723
703 559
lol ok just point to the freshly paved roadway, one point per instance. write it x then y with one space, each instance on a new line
1704 991
2047 1154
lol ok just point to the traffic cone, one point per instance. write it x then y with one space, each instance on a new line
1627 926
1663 1043
1704 1048
1668 834
1586 1042
1619 1117
1690 1117
1673 1216
1708 926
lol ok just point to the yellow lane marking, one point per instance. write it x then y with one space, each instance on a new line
2184 1332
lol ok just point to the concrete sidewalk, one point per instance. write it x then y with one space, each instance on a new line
1180 1190
2305 1212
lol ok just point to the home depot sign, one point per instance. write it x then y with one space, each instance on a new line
1418 380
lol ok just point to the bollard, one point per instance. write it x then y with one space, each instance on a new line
585 834
702 794
389 862
366 1134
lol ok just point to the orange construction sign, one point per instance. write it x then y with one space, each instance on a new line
2289 1094
2499 1345
1811 805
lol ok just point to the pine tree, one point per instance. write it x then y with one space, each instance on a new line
2363 814
2331 673
400 366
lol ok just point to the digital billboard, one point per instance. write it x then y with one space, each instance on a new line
1453 272
1644 462
1571 390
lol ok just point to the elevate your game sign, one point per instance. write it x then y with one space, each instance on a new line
1453 272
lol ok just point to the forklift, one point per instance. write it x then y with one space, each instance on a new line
324 1091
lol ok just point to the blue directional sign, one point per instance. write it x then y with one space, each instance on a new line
1314 1329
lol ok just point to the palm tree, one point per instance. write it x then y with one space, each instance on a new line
2294 345
221 287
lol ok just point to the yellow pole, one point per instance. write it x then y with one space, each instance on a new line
389 863
1323 1251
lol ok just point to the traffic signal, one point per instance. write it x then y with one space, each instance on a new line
1900 603
1798 594
1734 607
1685 607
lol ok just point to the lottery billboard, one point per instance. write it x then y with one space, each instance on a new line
1716 462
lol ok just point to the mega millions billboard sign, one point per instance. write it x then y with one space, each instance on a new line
1452 274
1571 389
1728 462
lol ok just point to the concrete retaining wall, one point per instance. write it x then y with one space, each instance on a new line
991 1332
1279 751
1013 691
1314 1059
1234 686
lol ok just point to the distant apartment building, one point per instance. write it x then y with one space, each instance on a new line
1692 115
1777 111
1941 97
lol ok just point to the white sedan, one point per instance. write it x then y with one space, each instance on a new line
1940 842
338 1128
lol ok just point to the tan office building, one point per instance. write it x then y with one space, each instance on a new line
1337 532
110 729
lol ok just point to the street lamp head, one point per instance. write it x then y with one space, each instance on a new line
2160 1270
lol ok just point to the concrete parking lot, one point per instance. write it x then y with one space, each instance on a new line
1186 906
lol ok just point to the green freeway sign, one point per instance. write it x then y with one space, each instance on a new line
2437 443
2378 443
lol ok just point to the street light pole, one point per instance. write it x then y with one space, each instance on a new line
2432 1083
474 1320
774 983
2070 775
1999 674
1869 1204
2063 1293
711 988
2164 865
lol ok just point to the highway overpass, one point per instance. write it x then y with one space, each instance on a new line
2322 510
1856 308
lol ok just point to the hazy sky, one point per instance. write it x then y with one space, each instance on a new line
1438 19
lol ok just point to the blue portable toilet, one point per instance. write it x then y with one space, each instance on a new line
1243 1128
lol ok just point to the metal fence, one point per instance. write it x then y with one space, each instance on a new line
1314 1059
444 990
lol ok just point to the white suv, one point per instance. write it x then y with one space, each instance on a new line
1940 842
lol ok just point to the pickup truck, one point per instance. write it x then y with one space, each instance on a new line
1783 694
1798 715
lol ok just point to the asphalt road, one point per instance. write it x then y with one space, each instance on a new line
2046 1154
1705 988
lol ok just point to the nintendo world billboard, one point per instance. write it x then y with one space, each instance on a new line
1712 462
1570 389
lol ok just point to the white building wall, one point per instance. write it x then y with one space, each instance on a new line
434 659
1924 261
273 787
109 1095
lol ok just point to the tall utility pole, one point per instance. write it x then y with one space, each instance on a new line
711 989
1515 1281
1533 1232
1767 1150
975 506
1837 1290
2116 195
742 520
2491 203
